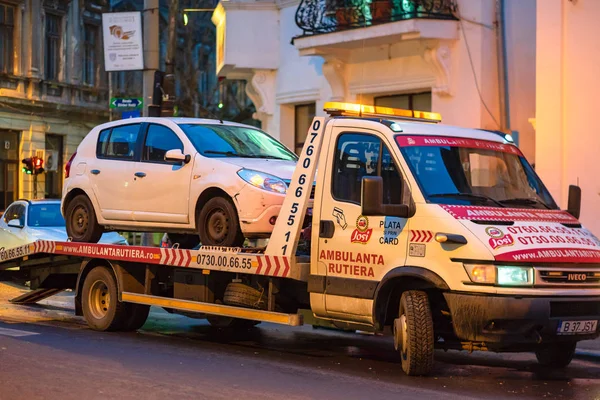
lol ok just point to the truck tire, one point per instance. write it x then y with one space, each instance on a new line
413 333
82 225
241 295
218 224
137 314
556 355
100 303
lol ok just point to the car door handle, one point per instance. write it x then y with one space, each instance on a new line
95 171
140 174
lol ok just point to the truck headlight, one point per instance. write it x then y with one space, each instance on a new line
514 276
263 181
504 275
481 273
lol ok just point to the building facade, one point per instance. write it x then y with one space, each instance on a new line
567 137
53 89
473 61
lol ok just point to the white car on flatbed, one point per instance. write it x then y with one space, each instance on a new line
220 180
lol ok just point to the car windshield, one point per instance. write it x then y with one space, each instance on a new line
473 172
235 141
45 215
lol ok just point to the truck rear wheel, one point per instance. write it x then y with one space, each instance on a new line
413 333
82 225
556 355
218 224
102 309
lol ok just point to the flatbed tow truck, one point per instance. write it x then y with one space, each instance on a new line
397 246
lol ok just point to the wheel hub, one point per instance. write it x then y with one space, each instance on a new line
80 221
217 225
99 299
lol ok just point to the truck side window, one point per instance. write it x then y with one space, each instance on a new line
359 155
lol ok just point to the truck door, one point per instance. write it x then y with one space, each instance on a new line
362 249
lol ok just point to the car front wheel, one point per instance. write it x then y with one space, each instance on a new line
218 224
82 225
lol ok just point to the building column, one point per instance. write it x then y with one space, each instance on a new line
261 91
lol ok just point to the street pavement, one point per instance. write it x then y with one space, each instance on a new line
48 353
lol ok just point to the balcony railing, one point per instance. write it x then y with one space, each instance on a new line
323 16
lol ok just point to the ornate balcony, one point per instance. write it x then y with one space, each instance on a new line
316 17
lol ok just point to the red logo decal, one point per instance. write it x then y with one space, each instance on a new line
362 237
506 240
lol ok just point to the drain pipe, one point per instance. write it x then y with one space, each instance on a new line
502 68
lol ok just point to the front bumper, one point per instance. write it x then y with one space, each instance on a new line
512 321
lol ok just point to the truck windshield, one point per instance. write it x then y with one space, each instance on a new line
45 216
473 172
235 141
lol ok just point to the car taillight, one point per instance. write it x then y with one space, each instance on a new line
68 166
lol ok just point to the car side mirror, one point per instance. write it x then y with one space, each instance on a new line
177 155
574 202
15 223
372 200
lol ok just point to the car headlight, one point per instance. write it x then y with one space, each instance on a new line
263 181
504 275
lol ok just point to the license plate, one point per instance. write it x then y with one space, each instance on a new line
575 327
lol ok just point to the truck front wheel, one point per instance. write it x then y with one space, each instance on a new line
413 333
556 355
100 303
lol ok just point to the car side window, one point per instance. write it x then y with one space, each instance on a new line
359 155
16 211
159 140
118 143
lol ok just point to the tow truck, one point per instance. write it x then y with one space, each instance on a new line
439 236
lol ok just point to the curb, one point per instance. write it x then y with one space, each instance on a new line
587 354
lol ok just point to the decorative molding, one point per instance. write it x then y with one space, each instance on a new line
386 86
440 59
334 70
250 5
261 90
287 3
298 96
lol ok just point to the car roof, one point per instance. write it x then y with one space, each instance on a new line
38 201
175 120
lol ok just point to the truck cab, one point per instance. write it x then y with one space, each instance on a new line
448 236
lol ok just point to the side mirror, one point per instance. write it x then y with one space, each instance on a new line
15 223
574 202
372 200
177 155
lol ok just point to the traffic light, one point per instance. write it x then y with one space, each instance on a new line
33 165
38 165
28 167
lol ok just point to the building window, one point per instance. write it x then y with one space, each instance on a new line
7 32
90 39
410 101
303 116
9 163
53 166
52 56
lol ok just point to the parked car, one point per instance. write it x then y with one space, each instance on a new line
198 180
26 221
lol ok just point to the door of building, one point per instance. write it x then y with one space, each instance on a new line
9 168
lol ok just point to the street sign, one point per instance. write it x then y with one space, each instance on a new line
130 114
127 103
